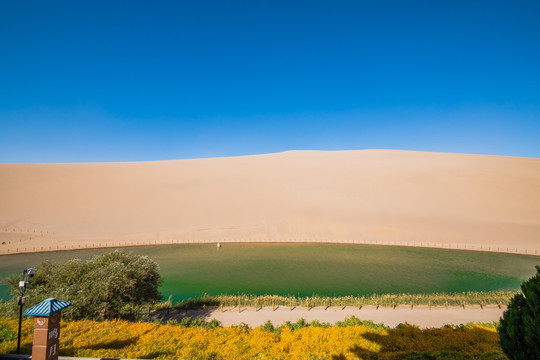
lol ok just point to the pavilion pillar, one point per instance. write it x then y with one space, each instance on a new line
47 317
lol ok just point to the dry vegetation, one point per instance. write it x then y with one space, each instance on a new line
475 298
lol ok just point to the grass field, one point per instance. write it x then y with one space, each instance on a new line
189 271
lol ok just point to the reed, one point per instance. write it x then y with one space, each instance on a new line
386 300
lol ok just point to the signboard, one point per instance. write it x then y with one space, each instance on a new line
46 337
47 316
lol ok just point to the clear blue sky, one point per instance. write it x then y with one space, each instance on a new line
131 80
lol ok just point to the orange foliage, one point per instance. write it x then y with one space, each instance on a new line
122 339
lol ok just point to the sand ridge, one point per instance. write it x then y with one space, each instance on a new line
365 196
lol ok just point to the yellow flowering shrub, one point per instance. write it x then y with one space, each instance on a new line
122 339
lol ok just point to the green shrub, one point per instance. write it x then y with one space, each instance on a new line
268 326
199 323
300 324
520 326
7 335
109 286
354 321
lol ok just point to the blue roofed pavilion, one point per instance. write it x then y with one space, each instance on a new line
47 307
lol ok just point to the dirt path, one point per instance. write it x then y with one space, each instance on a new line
421 316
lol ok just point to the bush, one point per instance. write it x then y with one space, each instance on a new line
141 340
268 326
354 321
109 286
520 326
198 323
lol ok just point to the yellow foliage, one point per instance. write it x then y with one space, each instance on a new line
122 339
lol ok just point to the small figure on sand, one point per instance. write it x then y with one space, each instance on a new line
218 245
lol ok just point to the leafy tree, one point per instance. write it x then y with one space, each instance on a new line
519 329
109 286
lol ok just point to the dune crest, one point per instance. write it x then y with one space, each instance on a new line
382 196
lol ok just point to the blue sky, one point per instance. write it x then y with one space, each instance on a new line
127 81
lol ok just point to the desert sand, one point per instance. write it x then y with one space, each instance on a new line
367 196
420 316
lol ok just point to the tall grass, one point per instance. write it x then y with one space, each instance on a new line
436 299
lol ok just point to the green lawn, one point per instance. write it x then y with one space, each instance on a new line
326 270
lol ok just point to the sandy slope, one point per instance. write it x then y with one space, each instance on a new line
361 196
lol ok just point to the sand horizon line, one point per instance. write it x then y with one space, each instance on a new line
259 154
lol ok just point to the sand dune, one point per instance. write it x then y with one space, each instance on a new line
383 196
